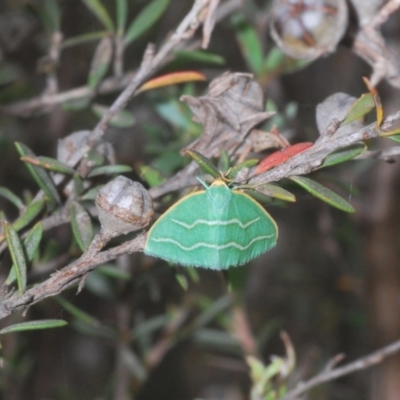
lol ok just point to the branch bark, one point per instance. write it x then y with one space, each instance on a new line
331 374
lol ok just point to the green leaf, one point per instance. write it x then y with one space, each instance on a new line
151 175
223 162
49 163
101 62
109 169
97 8
84 38
90 194
122 13
171 111
323 193
42 13
98 285
41 177
150 326
343 155
114 272
258 196
249 43
204 163
275 191
213 310
81 226
11 197
146 19
182 281
396 138
76 104
245 164
32 211
33 325
32 241
123 119
200 56
31 244
77 312
17 256
78 185
274 60
361 107
53 13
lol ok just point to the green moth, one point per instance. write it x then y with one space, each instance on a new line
216 228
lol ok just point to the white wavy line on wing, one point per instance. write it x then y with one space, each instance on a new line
211 223
212 246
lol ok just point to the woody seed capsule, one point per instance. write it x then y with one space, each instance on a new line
124 206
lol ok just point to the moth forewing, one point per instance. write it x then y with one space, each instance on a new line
217 228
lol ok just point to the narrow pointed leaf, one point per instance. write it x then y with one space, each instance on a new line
204 163
17 256
323 193
101 62
41 177
146 19
31 244
223 162
32 241
77 312
76 104
34 325
361 107
81 226
42 14
109 169
78 185
100 12
258 196
122 13
276 192
11 197
114 272
245 164
84 38
172 79
250 45
49 163
53 13
200 56
32 211
151 175
396 138
90 194
343 155
123 119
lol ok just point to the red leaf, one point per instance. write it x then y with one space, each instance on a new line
281 156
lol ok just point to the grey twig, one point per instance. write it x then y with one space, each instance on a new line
330 374
68 276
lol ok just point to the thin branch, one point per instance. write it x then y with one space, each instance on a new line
53 58
151 62
370 45
331 374
312 158
69 275
26 108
